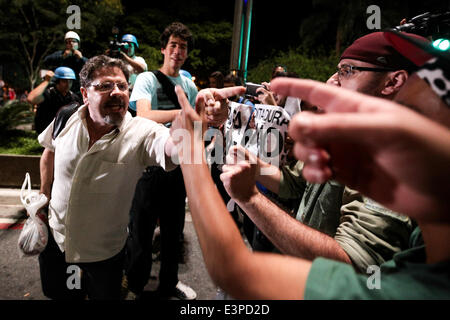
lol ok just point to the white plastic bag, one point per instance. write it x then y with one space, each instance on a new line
34 235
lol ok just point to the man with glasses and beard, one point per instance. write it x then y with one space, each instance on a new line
88 171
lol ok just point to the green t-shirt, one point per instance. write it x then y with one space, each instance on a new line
367 232
320 205
406 276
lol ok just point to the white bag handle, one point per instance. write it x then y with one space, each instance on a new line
32 201
25 182
34 236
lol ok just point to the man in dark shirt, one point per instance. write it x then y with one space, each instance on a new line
50 99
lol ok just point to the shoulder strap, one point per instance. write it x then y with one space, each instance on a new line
63 114
168 87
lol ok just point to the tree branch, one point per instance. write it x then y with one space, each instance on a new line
25 49
34 18
25 17
47 50
28 67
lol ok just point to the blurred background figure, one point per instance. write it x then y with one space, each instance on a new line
216 80
23 95
135 64
278 70
11 93
232 80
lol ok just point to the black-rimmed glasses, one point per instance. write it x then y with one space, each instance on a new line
109 86
347 70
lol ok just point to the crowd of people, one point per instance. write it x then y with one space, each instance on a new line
360 179
9 93
390 153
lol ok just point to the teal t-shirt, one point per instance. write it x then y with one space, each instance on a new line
148 87
406 276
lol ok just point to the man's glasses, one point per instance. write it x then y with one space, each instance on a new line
346 70
109 86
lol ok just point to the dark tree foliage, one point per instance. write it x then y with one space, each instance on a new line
32 29
292 31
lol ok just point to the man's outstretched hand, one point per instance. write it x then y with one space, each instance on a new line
215 102
189 125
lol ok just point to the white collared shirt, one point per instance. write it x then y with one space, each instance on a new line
93 188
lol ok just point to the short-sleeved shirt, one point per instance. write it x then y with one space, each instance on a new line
406 276
148 87
370 233
93 187
320 205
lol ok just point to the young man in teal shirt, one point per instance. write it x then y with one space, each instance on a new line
160 194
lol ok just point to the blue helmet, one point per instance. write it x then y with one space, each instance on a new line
130 38
185 73
64 73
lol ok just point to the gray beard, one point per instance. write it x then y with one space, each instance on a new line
115 121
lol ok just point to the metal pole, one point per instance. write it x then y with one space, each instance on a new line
235 59
248 26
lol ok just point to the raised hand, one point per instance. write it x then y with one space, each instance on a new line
388 152
49 75
239 174
266 96
215 102
187 130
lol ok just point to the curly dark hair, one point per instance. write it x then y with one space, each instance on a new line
94 64
176 29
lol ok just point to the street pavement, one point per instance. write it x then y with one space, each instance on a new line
19 276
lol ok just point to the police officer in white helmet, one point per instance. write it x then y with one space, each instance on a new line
70 57
72 41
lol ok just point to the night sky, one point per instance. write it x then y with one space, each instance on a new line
276 24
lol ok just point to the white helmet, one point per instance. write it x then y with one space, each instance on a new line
72 35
